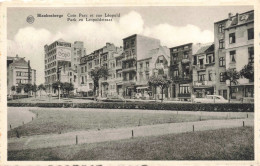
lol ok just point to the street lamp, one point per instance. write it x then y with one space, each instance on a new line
59 91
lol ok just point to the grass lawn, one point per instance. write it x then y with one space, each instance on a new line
65 120
223 144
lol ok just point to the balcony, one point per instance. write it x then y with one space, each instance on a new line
129 80
210 64
129 69
200 67
131 57
203 83
184 61
180 79
143 69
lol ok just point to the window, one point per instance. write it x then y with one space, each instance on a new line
201 77
176 73
185 56
141 65
147 76
210 58
249 91
147 64
251 54
174 60
233 92
221 44
195 60
232 38
232 56
184 89
221 62
85 68
210 76
250 33
82 70
82 80
220 28
222 77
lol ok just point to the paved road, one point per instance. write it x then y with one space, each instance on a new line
92 136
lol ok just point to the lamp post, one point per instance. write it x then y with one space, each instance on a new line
59 91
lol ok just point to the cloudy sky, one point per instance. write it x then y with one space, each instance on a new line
172 25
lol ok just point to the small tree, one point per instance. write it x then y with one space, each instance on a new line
247 72
40 88
13 88
96 74
161 81
27 88
67 87
19 88
232 75
56 85
34 89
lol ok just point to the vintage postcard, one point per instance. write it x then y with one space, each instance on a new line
137 84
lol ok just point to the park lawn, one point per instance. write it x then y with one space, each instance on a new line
65 120
222 144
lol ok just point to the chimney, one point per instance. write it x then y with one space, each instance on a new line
230 16
16 55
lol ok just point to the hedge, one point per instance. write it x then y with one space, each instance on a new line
215 107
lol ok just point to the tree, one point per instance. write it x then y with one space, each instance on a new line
68 87
96 74
232 75
161 81
19 88
34 89
40 88
56 86
28 88
13 88
247 72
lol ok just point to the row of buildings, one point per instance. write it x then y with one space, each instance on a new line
193 67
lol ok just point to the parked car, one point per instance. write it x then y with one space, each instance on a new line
211 99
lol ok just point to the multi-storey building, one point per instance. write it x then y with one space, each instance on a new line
19 72
61 62
156 61
135 47
181 70
234 48
204 71
102 57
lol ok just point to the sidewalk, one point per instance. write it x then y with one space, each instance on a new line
92 136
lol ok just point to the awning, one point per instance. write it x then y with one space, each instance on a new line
144 87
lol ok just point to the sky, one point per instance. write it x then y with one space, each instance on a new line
172 25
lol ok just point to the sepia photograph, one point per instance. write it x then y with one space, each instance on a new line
118 83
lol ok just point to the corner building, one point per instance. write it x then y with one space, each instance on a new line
134 48
234 41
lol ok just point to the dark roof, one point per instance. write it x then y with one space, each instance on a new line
20 62
204 48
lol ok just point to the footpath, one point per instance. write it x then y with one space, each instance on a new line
94 136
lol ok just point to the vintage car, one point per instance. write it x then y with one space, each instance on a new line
211 99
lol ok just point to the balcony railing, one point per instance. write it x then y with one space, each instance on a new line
203 83
129 69
129 80
129 57
200 67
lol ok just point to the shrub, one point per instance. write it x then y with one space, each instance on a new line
217 107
